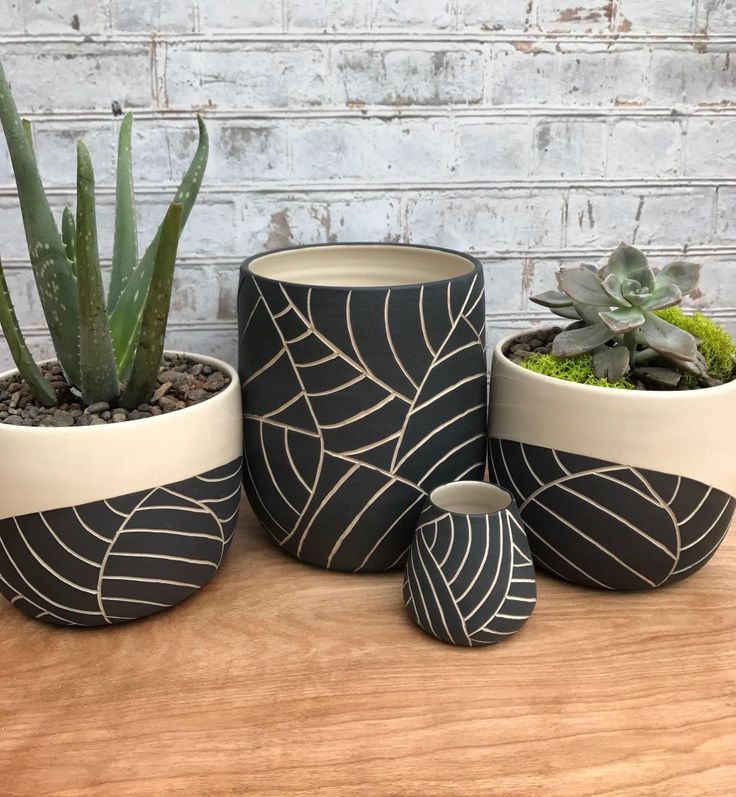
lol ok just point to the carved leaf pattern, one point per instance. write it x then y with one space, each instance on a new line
123 558
356 393
608 525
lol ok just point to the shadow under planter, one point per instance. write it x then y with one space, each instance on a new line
364 387
617 489
110 523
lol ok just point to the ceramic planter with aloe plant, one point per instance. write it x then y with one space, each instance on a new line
106 522
616 434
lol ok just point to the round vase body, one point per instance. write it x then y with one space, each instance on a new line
108 523
618 489
470 579
364 386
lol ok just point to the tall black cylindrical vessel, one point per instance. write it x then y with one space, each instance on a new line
364 387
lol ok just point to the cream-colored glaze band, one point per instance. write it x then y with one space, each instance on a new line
51 468
686 433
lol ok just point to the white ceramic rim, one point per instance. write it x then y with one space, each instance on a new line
493 491
380 251
686 433
104 461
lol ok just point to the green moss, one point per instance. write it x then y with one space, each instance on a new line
573 369
717 347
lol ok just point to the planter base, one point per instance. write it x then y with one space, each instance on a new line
606 525
122 558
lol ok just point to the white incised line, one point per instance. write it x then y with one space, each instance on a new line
298 475
390 340
710 528
38 592
320 462
452 598
595 543
430 369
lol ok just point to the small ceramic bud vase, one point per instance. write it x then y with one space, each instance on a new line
469 578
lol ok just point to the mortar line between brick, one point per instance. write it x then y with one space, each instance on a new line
498 318
396 36
391 112
535 253
358 186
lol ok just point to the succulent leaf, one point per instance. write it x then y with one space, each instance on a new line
566 312
99 378
552 299
153 327
580 341
627 262
612 286
51 268
125 319
622 319
667 339
616 305
584 286
125 246
664 296
22 357
682 274
588 313
611 362
667 377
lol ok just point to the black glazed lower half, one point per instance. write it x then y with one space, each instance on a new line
469 578
357 402
606 525
122 558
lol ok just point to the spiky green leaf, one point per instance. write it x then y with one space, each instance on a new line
22 357
69 237
153 326
125 247
125 320
99 377
51 268
28 130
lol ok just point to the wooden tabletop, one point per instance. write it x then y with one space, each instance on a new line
280 679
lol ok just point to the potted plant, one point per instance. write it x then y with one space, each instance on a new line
121 476
615 434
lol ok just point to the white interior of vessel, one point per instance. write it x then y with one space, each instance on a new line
359 266
470 498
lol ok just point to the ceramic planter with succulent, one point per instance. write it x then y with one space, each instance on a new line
114 504
615 434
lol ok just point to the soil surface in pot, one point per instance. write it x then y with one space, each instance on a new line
182 382
539 341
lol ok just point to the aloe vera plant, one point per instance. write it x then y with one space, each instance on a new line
109 347
615 310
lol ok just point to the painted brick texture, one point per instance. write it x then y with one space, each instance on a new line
531 132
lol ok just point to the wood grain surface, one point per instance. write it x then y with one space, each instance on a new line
279 679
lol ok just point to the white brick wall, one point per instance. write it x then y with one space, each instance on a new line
532 132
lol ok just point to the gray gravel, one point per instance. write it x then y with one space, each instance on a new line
183 382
